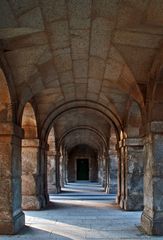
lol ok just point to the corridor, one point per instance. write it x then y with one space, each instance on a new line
81 211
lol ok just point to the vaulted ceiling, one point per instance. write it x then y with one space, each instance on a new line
95 51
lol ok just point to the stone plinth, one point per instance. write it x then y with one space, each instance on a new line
11 216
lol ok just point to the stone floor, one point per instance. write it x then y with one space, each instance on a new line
82 211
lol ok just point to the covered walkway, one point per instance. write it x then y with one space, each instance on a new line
81 211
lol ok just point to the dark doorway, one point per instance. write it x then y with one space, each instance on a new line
82 169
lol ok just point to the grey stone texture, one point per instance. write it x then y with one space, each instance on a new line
77 73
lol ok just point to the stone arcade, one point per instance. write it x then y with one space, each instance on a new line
81 90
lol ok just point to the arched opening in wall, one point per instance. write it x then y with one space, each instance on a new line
82 164
30 160
11 215
5 100
51 164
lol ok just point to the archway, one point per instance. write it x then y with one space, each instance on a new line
31 164
11 216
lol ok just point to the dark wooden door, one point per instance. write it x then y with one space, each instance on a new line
82 169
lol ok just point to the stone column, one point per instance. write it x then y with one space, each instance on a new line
51 172
66 167
31 194
43 173
118 197
152 217
99 170
57 176
122 173
105 171
134 170
62 175
112 180
11 216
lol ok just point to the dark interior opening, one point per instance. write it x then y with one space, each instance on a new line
82 169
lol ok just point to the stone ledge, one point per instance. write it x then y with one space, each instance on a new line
134 142
8 129
156 127
30 142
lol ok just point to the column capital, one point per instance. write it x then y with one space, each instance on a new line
156 127
8 129
30 142
134 142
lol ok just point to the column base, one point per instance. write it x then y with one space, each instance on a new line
134 203
117 199
152 226
56 189
121 202
32 202
13 226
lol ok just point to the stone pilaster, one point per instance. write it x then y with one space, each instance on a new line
44 147
121 196
51 172
152 216
105 172
31 194
11 216
134 170
57 176
113 169
99 170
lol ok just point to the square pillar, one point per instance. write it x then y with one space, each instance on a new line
44 147
57 161
134 173
11 216
31 194
121 191
152 216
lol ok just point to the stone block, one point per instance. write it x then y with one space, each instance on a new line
7 18
113 70
62 59
80 44
32 18
80 68
96 68
59 34
94 85
54 10
136 39
100 38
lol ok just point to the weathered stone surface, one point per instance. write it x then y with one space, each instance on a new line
151 220
82 65
11 217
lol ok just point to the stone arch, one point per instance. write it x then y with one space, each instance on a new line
29 122
31 185
5 100
154 90
107 113
10 144
134 121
